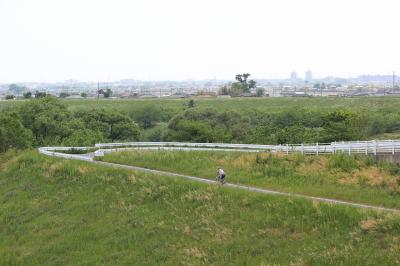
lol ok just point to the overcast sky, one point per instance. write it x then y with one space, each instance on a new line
53 40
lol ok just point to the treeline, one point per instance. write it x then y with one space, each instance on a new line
289 126
47 121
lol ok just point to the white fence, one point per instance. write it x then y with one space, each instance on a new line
351 147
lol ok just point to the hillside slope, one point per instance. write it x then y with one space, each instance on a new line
54 211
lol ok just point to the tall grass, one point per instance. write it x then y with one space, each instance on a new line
339 176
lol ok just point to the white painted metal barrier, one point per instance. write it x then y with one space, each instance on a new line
350 147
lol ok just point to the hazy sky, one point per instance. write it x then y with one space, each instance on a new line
50 40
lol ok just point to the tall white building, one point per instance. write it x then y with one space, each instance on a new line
293 77
308 76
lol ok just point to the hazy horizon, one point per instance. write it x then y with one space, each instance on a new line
50 41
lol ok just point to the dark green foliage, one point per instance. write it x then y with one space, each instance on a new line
191 103
12 133
64 95
208 125
84 138
341 125
27 95
10 97
242 86
156 133
148 116
40 94
47 119
260 92
113 125
107 93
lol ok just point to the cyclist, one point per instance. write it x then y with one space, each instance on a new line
221 175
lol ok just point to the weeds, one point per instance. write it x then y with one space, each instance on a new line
354 178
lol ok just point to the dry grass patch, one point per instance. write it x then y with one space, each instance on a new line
370 224
318 165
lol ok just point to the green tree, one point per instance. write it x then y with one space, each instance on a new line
10 97
208 125
113 125
13 134
242 85
191 103
260 92
47 118
64 95
40 94
341 125
84 94
107 93
27 95
148 116
84 137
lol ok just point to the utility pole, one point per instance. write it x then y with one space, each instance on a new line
394 81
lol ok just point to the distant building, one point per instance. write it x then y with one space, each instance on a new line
293 77
308 76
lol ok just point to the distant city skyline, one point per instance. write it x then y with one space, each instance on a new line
49 41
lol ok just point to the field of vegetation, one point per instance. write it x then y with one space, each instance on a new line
56 211
338 176
50 121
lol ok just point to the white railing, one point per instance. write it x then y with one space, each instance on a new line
350 147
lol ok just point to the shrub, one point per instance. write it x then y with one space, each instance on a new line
13 134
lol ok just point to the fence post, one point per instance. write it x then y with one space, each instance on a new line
349 148
334 148
366 148
287 149
317 149
302 148
375 147
392 147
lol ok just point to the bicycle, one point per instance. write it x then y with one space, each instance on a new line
220 179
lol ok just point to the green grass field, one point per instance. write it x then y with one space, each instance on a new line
338 177
370 104
55 211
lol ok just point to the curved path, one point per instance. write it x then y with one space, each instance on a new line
89 157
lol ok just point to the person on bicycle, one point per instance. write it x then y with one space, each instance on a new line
221 175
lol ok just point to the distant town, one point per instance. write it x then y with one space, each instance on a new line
294 86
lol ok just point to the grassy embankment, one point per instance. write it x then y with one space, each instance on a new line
339 177
55 211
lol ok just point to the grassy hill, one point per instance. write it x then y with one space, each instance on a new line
55 211
339 176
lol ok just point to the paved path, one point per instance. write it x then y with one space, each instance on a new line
89 158
249 188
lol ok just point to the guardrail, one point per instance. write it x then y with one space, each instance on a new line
350 147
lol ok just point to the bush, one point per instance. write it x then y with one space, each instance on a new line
113 125
208 125
13 134
84 137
